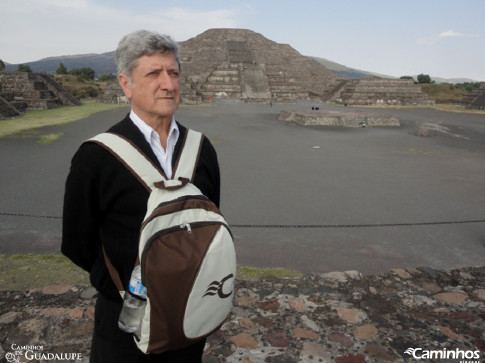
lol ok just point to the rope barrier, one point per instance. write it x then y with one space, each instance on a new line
321 226
296 226
28 215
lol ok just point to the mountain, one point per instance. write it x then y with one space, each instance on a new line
101 63
449 80
349 73
104 64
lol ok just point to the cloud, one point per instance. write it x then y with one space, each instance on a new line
450 34
60 27
429 40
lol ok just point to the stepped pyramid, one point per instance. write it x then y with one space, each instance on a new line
242 64
22 91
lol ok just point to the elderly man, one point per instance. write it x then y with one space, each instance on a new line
104 203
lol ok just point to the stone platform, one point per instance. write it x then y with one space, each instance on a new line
22 91
335 317
337 118
377 91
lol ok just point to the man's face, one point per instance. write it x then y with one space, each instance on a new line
154 91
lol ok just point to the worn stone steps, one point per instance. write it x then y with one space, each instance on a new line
374 91
33 91
255 60
335 317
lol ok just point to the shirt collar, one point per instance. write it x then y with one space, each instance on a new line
148 132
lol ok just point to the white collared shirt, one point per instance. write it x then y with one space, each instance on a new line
152 137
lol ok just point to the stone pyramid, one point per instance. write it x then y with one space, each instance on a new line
22 91
242 64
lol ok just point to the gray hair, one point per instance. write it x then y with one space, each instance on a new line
142 42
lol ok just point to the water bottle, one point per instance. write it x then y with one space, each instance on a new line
134 304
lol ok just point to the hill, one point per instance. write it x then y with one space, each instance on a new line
449 80
345 72
104 64
101 63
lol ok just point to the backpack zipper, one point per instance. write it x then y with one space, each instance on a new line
188 226
162 205
182 199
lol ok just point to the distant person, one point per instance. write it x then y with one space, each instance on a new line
104 204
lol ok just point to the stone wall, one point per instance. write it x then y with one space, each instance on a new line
376 91
7 110
327 118
113 94
476 99
31 91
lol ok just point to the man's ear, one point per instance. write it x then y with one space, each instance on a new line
125 84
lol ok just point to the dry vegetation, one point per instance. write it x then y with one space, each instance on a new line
80 87
444 93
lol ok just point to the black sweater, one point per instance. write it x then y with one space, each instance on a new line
104 205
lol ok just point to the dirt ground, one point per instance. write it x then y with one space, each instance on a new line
307 199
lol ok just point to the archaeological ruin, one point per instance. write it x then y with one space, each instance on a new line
22 91
242 64
113 94
476 99
341 118
377 91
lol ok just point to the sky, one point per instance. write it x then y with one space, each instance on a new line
442 38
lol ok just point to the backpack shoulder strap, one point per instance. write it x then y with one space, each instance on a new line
131 157
142 167
189 157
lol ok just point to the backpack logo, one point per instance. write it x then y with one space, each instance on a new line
217 287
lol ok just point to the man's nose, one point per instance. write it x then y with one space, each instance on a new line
167 82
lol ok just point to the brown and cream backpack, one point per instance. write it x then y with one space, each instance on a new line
186 250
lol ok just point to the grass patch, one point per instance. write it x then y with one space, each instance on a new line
456 108
249 273
443 92
79 87
46 139
56 116
447 107
26 272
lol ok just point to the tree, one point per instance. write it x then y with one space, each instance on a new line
85 73
2 65
61 69
107 77
24 68
406 77
467 86
424 78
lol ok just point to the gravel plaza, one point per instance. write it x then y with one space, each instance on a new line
303 198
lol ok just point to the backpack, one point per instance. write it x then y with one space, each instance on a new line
186 250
